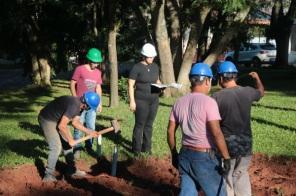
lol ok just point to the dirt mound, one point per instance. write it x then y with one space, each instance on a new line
273 176
269 176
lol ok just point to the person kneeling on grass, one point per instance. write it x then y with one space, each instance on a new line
54 119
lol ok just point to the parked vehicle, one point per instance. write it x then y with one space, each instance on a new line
254 54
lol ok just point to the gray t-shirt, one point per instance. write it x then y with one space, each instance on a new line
65 105
145 75
235 110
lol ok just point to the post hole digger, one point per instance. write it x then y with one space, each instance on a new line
115 126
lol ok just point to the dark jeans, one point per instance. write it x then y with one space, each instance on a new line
146 110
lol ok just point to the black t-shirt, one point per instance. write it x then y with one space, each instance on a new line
235 110
65 105
145 75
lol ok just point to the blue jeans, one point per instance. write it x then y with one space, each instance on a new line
238 180
199 170
87 117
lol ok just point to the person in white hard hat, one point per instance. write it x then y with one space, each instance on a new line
143 98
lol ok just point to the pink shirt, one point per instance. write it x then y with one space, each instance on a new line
87 80
192 112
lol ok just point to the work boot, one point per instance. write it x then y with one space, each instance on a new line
49 178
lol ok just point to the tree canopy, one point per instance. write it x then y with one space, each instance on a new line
46 33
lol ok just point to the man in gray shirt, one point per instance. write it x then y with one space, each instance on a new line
234 104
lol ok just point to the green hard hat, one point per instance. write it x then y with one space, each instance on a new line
94 55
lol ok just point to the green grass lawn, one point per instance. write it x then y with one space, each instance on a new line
21 140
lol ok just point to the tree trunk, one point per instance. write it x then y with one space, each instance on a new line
196 29
41 71
163 45
40 67
44 70
203 39
114 98
35 70
227 37
175 34
95 11
283 22
141 19
282 48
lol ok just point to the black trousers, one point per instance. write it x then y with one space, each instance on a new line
146 110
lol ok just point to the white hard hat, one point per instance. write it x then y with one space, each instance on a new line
148 50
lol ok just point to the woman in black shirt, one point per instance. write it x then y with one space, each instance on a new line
143 98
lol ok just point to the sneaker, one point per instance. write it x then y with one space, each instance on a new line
49 178
78 173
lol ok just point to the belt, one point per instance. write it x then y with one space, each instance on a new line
198 149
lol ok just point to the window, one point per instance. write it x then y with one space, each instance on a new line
267 47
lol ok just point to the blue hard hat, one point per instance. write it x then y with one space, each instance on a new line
92 99
201 69
227 67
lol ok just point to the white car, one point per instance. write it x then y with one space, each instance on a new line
255 54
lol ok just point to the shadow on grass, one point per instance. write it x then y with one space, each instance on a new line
13 116
165 105
120 141
40 167
284 127
275 107
22 100
115 138
61 84
273 79
30 127
28 148
107 118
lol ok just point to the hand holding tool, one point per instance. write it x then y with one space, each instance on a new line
114 127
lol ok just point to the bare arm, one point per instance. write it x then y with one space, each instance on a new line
171 139
259 84
219 140
73 87
99 92
64 130
78 125
171 136
131 94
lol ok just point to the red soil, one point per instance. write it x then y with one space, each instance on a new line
269 176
